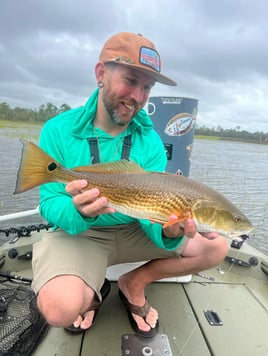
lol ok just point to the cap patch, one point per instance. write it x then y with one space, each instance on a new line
149 57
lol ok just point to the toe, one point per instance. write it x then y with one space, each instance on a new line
88 319
78 321
142 325
84 322
149 322
152 317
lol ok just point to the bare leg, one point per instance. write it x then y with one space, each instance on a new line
64 299
199 254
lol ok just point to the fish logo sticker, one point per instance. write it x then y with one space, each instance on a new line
180 124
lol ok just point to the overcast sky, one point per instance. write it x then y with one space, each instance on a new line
216 50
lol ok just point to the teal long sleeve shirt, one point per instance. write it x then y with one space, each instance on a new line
65 139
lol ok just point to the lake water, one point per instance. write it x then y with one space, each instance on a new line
238 170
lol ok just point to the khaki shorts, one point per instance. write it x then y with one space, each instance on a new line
88 254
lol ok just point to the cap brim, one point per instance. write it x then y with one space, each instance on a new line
157 76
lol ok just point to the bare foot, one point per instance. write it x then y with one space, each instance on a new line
84 322
136 296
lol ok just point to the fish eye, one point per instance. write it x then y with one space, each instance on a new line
52 166
238 219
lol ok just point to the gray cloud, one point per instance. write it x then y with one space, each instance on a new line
216 50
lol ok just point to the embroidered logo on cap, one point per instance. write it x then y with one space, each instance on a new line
150 58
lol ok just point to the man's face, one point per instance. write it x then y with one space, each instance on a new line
125 92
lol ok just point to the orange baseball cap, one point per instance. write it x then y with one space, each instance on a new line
137 52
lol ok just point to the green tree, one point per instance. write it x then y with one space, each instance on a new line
47 111
5 111
64 107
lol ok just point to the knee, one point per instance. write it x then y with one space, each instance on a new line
62 299
56 310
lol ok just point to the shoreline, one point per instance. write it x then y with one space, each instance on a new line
233 139
5 124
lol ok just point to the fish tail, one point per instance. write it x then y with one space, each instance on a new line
34 168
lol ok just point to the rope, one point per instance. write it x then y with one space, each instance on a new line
23 231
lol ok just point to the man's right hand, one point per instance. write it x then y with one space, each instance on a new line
88 202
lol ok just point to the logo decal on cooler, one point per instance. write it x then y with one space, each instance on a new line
179 124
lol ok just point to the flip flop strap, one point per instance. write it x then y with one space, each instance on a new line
141 311
94 307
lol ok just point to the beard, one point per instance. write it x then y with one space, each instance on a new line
113 114
112 106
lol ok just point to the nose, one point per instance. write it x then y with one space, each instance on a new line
138 94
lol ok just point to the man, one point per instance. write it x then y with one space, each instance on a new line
70 262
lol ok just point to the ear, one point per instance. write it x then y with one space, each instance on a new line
99 71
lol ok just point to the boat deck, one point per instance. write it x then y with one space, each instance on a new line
234 294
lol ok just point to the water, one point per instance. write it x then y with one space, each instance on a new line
238 170
10 151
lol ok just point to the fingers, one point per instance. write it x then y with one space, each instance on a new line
210 235
190 231
188 228
88 202
176 229
76 187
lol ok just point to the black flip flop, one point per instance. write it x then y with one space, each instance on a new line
105 290
141 311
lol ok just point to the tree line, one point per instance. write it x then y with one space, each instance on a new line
42 114
49 110
236 134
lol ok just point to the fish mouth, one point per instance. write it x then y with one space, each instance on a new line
231 234
237 234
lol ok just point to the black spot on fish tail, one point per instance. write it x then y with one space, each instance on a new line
52 166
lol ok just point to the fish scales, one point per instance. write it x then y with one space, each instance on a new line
137 193
145 195
153 195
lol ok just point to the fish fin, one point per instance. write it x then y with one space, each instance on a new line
117 167
34 167
181 217
159 221
167 223
164 222
172 222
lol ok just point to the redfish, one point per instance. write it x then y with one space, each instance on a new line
137 193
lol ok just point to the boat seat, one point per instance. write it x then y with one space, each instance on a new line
114 272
